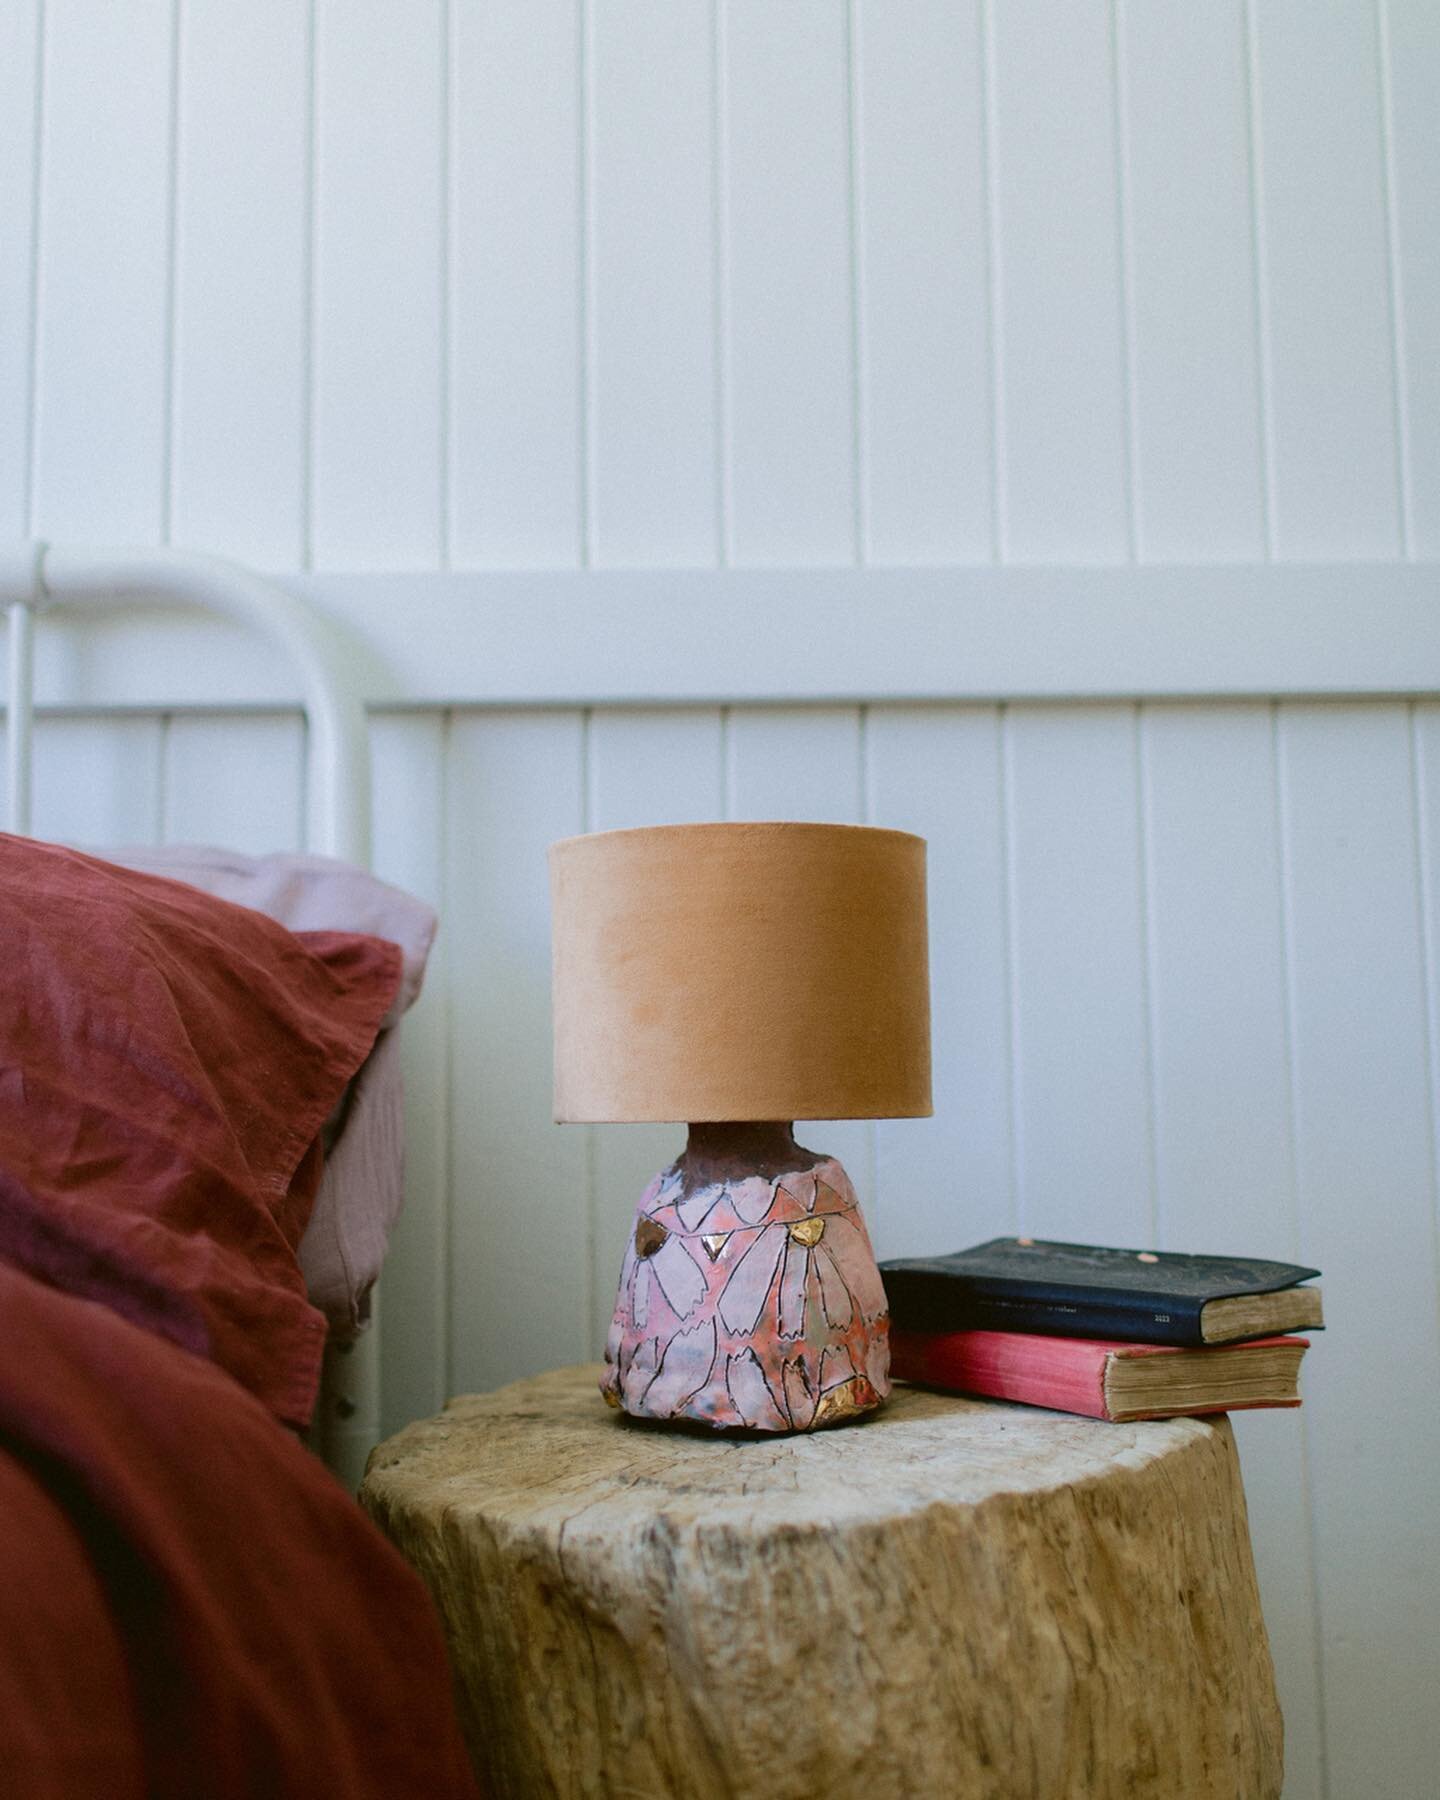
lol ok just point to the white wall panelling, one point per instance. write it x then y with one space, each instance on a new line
651 362
937 771
1364 1106
1198 492
407 284
923 357
521 1244
1326 267
104 221
787 262
1223 1103
611 367
676 637
238 476
19 171
376 484
1061 330
238 782
99 781
1410 69
410 764
517 482
1084 1125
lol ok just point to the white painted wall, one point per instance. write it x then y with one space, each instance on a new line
621 284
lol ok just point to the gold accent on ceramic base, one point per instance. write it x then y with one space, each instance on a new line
649 1236
808 1231
714 1243
844 1402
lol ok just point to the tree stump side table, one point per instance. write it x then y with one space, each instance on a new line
953 1598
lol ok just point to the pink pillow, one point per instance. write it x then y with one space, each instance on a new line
361 1193
363 1187
166 1062
305 893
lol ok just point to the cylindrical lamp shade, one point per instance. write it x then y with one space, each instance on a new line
740 972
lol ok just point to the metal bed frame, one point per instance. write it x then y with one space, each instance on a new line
37 578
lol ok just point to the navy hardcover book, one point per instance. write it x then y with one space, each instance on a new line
1086 1290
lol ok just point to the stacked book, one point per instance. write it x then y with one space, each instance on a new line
1115 1334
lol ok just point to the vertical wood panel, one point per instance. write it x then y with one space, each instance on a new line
806 765
1327 272
237 781
1198 475
1224 1136
651 269
1367 1218
408 755
800 764
645 768
924 283
517 452
1083 1097
238 470
520 1244
1061 345
20 102
1413 70
1225 1174
377 306
101 347
790 351
947 1181
98 781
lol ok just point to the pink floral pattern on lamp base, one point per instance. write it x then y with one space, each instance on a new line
750 1303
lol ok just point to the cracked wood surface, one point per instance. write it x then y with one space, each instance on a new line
952 1598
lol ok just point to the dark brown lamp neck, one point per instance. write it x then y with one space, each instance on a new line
733 1150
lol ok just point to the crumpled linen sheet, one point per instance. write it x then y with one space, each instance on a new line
189 1604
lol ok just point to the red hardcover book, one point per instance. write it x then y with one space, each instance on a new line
1102 1378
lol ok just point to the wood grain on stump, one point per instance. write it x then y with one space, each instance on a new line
952 1597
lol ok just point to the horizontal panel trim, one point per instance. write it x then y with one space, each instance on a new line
801 636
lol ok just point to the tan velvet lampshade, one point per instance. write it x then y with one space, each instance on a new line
740 972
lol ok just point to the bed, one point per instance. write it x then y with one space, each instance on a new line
190 1602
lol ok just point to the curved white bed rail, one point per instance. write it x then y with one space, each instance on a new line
40 577
37 577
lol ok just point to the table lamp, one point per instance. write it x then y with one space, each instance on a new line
736 978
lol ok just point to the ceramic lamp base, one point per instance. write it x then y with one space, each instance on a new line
749 1295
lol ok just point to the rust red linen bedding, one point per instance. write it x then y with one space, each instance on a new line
166 1062
189 1604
